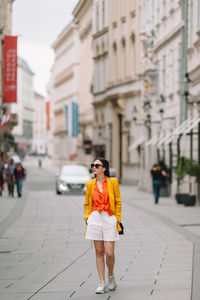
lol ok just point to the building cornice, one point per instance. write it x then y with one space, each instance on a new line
115 97
169 36
81 7
100 33
67 31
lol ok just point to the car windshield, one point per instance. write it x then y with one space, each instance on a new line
74 171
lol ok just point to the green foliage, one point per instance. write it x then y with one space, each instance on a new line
187 166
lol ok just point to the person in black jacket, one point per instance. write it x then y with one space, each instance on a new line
19 174
2 171
157 177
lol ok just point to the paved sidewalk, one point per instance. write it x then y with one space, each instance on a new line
44 255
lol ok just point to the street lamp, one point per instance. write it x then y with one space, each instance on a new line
187 78
160 99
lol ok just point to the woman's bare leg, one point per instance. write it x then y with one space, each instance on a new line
110 256
100 251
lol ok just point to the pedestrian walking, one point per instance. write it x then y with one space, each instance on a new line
19 173
157 179
103 217
2 176
39 163
10 177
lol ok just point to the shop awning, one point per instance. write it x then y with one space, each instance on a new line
136 143
155 140
151 141
194 122
164 139
184 128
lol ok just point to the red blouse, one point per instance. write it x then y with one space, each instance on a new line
100 201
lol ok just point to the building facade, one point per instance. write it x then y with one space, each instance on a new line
116 52
162 96
6 138
39 145
65 95
24 107
170 94
83 20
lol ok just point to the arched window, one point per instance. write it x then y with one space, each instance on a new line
97 17
103 14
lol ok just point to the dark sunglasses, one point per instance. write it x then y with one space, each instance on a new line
96 166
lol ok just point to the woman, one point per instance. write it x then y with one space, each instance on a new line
19 175
157 177
102 216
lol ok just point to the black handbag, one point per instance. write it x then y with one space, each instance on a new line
122 228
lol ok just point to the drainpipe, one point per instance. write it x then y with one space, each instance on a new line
198 181
184 46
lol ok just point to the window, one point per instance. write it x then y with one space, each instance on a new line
103 14
124 7
125 61
171 72
153 13
158 11
171 4
115 64
164 75
164 8
66 117
198 24
180 65
191 23
75 121
97 17
116 9
157 79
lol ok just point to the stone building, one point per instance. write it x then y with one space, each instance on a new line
24 107
39 145
170 35
65 94
83 20
116 83
6 138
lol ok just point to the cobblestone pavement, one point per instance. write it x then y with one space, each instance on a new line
43 254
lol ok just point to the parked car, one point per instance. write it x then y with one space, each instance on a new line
112 172
72 178
16 158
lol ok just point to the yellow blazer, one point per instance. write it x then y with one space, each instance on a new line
114 198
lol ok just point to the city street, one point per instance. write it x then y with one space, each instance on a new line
43 254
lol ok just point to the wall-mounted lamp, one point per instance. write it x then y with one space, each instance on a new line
100 130
186 95
147 105
134 109
187 78
161 111
160 99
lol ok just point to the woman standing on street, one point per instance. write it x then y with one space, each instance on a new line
19 174
102 216
157 177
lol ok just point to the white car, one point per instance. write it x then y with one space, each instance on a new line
16 158
72 178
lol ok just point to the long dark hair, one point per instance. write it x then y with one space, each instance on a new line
105 164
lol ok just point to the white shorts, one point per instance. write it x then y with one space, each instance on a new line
101 227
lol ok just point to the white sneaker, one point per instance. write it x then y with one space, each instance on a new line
102 288
112 284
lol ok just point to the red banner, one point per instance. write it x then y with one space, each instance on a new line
10 69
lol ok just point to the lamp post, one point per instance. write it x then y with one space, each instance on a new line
187 95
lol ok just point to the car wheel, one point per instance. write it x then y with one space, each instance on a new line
58 192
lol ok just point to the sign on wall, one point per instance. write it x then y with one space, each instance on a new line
10 69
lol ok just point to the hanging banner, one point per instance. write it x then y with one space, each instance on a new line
10 69
48 115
